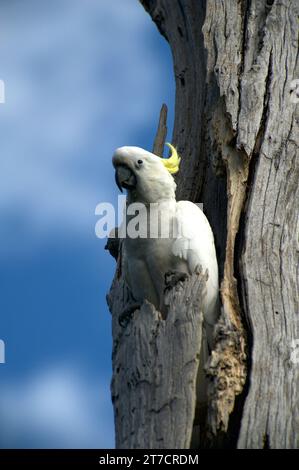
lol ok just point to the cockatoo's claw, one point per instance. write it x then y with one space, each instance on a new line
127 314
173 277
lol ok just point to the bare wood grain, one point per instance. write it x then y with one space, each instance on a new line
155 363
161 134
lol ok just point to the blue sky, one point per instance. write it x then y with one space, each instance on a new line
81 78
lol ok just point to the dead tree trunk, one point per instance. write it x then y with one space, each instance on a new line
155 363
236 128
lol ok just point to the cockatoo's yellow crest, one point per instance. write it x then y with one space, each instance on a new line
173 162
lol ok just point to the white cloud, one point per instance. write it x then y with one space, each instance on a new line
80 79
55 409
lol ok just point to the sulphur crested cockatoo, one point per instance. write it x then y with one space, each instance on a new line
188 245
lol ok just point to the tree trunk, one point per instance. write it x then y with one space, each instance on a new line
155 363
236 129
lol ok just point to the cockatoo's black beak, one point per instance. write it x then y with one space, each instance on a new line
125 178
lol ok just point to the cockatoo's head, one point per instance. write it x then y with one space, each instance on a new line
146 177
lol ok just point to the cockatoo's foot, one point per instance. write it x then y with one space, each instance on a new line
173 277
127 314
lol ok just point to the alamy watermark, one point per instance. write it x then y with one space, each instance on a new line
139 220
2 352
2 92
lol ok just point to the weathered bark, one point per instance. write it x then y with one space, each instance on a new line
236 128
160 138
155 363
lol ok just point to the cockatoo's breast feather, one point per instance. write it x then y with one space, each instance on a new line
194 231
195 245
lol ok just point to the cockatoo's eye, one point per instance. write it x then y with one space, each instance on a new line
140 162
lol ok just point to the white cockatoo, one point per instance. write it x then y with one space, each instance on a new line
185 242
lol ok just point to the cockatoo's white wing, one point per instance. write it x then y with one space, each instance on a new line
194 244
